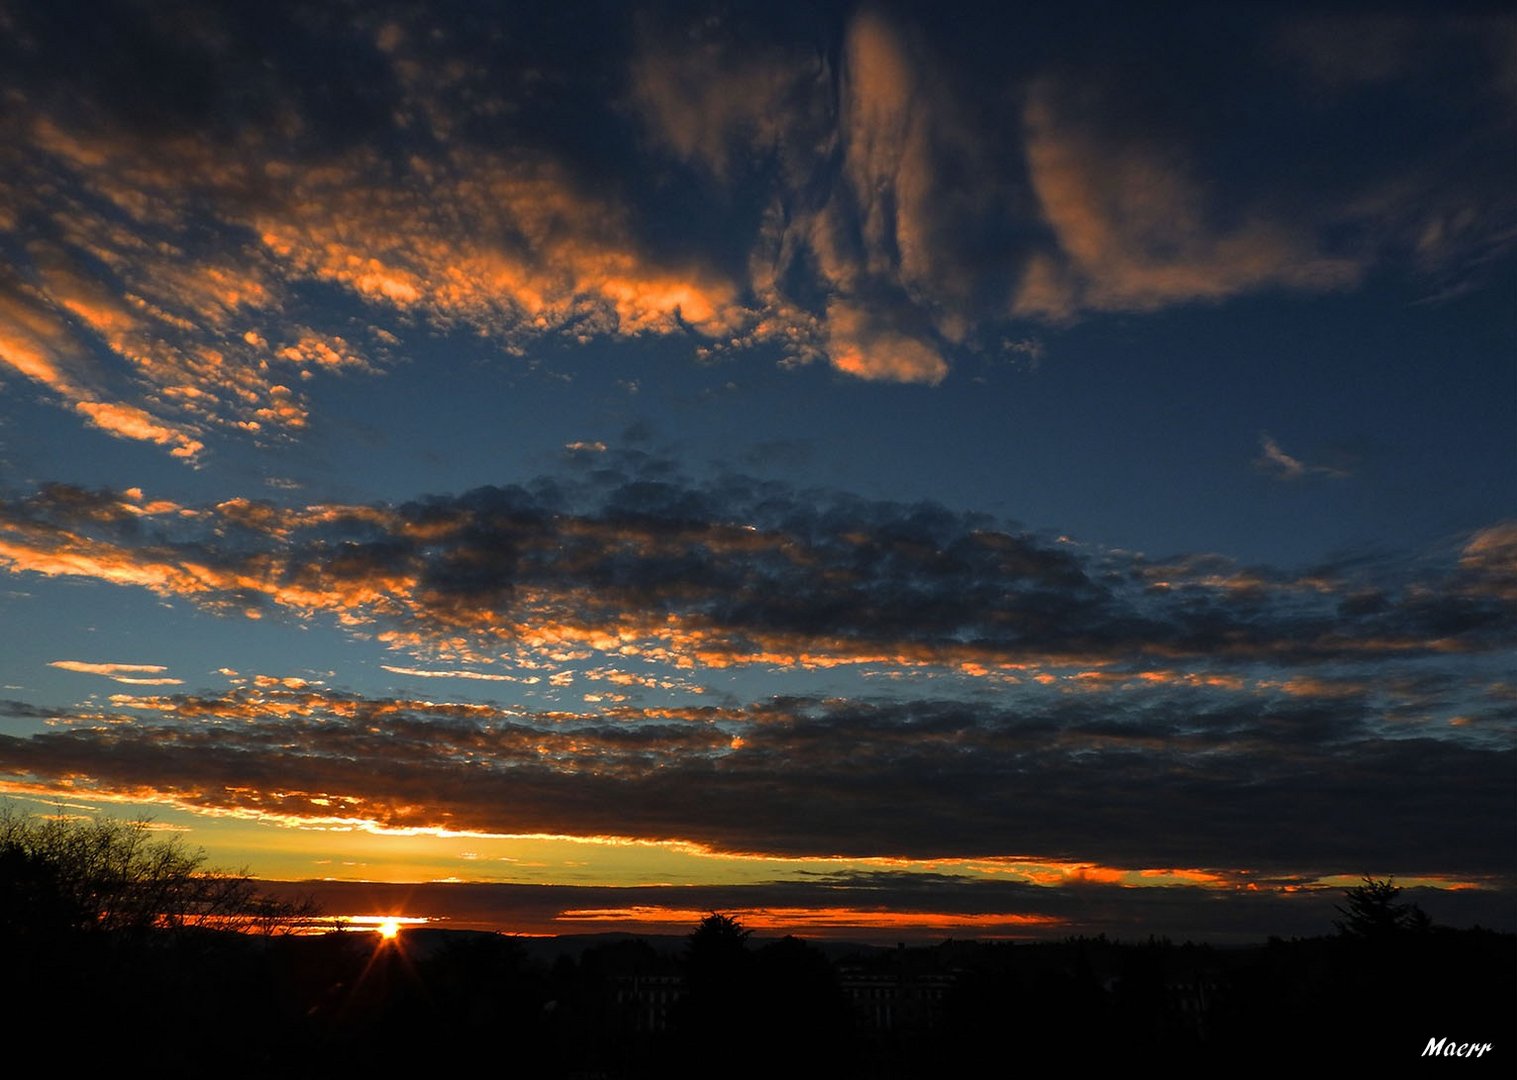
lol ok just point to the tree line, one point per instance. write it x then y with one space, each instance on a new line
132 927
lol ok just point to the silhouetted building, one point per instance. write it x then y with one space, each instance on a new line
894 993
647 1002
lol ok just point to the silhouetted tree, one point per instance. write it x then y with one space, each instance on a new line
719 990
1370 912
799 1002
133 916
103 875
718 935
717 963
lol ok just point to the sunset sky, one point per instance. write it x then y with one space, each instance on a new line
881 470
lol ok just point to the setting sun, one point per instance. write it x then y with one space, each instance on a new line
386 926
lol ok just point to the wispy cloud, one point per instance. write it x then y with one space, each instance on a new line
480 676
175 278
1492 554
105 669
1277 463
1132 229
131 674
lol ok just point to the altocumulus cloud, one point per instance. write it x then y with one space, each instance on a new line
1026 697
647 565
1266 783
205 211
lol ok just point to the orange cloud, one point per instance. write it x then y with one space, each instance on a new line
876 240
42 347
1278 463
476 675
817 918
130 674
537 257
146 340
858 345
104 669
1308 686
1132 230
1491 556
553 612
506 245
131 422
900 127
36 343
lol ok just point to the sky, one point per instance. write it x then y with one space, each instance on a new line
875 469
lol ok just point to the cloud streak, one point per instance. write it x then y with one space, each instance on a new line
1277 463
927 907
130 674
1162 777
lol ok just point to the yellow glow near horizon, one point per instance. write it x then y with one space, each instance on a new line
388 929
281 850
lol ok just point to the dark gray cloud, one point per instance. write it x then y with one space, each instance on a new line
1053 701
926 904
1168 777
738 571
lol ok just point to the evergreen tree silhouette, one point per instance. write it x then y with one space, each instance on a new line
1370 912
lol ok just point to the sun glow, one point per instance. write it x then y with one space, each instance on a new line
388 927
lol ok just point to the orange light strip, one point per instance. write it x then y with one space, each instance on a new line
783 918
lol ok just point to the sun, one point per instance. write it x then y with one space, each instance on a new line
388 929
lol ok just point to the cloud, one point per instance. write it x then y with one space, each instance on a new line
930 905
861 212
39 345
540 255
714 95
104 669
35 343
1167 776
130 422
121 673
811 920
1489 559
1133 230
859 345
1492 550
483 676
909 216
188 246
1277 463
739 573
169 267
991 694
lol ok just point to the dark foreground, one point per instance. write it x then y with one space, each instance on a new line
719 1004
